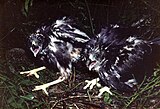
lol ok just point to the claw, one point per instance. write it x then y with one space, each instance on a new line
33 72
104 89
92 83
44 86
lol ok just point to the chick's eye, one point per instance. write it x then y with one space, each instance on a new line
40 39
96 55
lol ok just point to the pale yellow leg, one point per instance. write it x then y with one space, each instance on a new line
33 72
44 86
92 83
104 89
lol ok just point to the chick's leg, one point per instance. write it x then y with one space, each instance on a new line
44 86
92 83
64 76
33 72
104 89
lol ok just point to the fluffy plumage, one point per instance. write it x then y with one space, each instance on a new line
115 57
58 46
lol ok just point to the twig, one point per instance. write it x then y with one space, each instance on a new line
7 34
24 94
91 104
99 4
155 106
89 96
147 87
76 86
150 6
72 78
76 106
90 17
65 99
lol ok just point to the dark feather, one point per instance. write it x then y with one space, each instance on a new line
115 57
56 45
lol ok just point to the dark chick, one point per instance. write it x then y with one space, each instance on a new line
116 58
57 46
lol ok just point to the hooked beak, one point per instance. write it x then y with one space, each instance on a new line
91 65
35 49
92 62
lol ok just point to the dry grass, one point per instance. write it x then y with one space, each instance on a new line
16 90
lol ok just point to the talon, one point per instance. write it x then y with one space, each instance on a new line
92 83
41 87
88 84
33 72
104 89
44 86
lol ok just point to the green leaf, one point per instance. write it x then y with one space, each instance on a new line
11 99
28 97
3 78
13 91
38 104
16 105
27 4
107 98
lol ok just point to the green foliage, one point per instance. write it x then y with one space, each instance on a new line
147 90
107 98
27 4
16 94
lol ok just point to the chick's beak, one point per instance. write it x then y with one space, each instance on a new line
91 65
91 62
35 48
